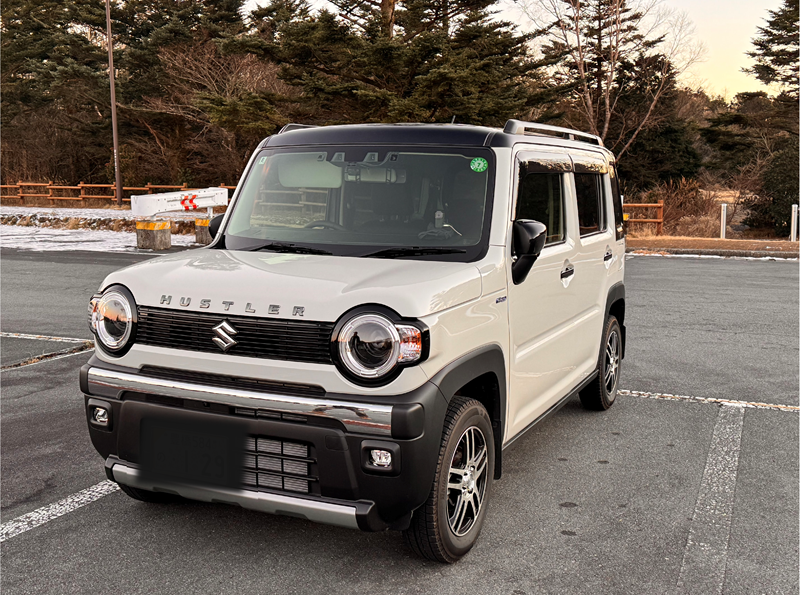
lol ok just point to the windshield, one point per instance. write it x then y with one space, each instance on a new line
390 202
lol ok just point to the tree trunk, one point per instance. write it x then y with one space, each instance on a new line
387 17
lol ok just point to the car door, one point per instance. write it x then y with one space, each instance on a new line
595 245
542 308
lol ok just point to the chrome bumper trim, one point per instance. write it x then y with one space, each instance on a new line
358 418
319 512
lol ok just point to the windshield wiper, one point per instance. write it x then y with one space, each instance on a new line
289 248
410 251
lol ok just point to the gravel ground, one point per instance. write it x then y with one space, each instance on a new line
663 242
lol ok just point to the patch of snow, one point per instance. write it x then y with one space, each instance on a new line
43 239
773 258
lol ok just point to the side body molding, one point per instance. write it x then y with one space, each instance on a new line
471 376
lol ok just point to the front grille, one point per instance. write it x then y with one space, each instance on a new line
289 340
279 465
221 380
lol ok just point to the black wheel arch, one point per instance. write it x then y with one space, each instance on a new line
480 375
615 306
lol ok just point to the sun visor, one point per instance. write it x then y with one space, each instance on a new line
307 170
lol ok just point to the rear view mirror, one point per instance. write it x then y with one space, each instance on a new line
213 225
529 238
383 175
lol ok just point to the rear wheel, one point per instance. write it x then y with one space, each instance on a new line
446 527
602 392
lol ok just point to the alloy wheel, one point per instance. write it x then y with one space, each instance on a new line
612 364
466 485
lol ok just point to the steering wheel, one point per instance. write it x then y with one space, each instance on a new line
328 224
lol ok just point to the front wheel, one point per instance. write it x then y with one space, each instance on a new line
601 393
446 527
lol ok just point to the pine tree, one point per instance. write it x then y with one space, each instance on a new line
777 48
665 150
438 60
54 89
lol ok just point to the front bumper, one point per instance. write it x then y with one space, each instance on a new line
338 430
329 512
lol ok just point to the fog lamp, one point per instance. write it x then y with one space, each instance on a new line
380 458
100 416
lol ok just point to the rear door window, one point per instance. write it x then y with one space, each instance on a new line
589 192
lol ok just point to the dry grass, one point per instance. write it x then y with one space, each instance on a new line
702 227
689 210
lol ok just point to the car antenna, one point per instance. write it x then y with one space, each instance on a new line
453 121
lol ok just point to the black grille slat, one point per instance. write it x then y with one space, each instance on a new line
286 388
287 340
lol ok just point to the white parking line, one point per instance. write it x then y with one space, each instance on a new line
40 516
48 357
706 553
43 337
734 402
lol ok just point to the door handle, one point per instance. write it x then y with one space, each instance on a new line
608 256
567 271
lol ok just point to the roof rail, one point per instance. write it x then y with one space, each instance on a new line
290 127
519 127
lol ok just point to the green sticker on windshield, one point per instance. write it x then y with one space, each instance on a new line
479 164
262 161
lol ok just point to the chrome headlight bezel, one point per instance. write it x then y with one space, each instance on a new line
410 345
109 344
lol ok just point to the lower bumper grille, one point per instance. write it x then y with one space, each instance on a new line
279 465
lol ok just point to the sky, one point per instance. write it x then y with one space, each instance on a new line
725 27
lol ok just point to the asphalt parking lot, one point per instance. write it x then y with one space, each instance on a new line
657 495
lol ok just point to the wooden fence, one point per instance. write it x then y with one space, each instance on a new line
39 190
639 207
49 191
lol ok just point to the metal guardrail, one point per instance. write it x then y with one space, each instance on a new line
658 220
22 190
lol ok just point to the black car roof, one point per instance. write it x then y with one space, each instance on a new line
458 135
389 134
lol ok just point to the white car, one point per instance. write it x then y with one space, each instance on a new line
383 310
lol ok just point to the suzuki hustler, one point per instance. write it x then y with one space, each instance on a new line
382 311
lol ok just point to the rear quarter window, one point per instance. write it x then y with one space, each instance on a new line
589 192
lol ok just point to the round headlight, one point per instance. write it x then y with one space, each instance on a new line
112 319
369 345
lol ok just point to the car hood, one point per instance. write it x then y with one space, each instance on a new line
324 287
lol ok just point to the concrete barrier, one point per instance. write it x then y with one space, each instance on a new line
201 233
154 235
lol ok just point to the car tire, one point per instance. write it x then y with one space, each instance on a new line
601 393
148 496
446 527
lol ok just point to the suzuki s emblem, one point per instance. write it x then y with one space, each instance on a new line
224 340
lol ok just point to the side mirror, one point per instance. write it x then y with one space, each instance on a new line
213 225
529 238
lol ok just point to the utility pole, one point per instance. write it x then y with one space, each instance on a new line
117 172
